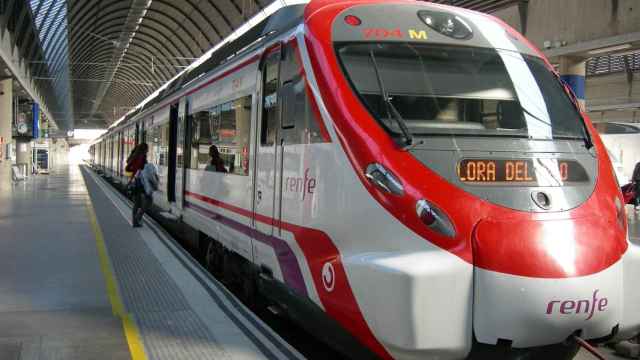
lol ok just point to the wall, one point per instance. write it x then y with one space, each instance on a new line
575 20
613 89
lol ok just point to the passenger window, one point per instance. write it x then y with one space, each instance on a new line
201 137
154 145
163 149
220 137
301 125
270 100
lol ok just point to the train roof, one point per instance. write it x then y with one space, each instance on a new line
271 26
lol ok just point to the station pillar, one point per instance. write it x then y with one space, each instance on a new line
6 119
573 71
24 155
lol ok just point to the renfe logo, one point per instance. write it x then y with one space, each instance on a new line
305 185
578 306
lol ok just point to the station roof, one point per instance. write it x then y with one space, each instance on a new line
487 6
99 59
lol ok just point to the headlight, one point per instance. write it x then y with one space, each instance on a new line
446 24
435 218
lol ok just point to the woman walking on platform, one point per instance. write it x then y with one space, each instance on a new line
136 160
143 182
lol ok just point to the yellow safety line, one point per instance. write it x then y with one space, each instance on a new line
136 349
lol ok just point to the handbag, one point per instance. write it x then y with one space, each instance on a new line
629 193
134 184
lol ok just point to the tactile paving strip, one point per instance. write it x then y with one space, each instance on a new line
169 327
178 335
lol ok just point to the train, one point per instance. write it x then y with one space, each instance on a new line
408 179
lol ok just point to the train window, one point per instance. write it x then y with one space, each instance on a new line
153 138
201 136
227 127
163 148
301 123
233 133
270 112
439 89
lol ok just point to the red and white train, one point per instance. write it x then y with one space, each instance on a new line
407 177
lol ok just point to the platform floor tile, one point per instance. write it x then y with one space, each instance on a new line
177 318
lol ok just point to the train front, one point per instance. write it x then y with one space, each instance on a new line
459 128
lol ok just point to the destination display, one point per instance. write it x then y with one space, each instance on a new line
520 171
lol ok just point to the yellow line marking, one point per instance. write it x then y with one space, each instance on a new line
136 348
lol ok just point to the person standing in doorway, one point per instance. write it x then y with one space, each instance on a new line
135 165
137 159
149 180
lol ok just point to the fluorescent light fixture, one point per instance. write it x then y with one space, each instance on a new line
609 49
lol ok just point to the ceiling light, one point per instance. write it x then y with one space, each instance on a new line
609 49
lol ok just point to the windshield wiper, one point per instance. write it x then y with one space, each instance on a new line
588 143
391 109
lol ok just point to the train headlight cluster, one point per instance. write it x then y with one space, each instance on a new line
434 218
446 24
379 176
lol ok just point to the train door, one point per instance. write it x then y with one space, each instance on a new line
173 144
121 156
266 146
183 112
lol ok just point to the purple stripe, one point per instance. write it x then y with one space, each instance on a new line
286 258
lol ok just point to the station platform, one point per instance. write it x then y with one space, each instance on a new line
78 282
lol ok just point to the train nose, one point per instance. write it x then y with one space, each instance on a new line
537 282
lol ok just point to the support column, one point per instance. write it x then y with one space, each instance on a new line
6 119
573 71
24 154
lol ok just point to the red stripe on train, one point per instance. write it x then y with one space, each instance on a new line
318 248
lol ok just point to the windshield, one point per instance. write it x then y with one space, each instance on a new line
440 89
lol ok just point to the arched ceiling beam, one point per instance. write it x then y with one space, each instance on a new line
163 71
177 34
156 50
142 29
150 49
87 28
120 94
215 29
238 9
222 15
188 18
87 56
180 53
